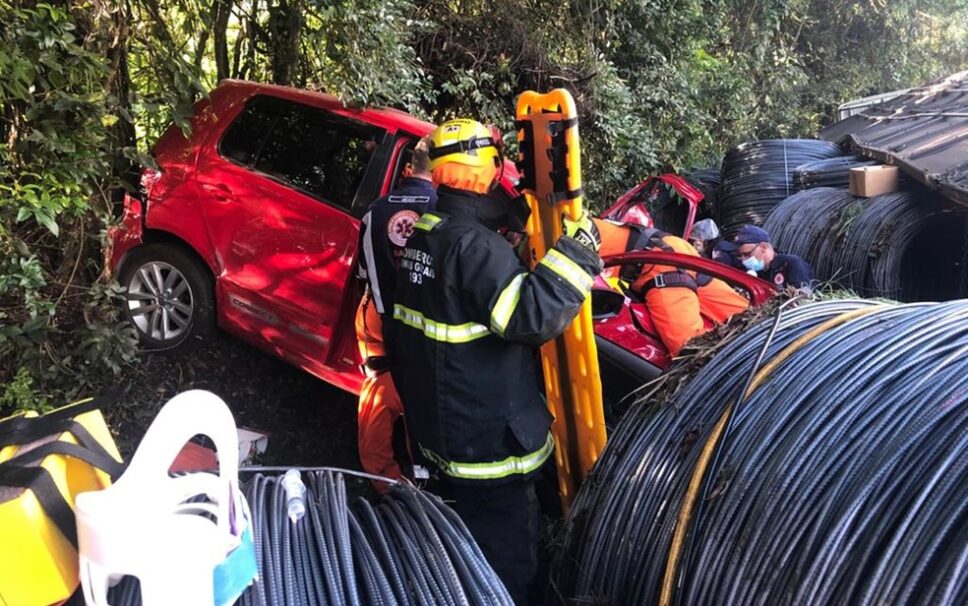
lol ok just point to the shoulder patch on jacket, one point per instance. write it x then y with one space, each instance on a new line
400 226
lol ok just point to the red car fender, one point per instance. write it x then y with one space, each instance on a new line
124 235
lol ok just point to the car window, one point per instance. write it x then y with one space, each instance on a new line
245 136
402 167
319 153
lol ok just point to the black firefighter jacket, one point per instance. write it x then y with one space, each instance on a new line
385 229
468 317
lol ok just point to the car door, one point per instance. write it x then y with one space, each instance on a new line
277 191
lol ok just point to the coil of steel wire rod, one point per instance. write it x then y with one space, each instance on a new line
407 549
907 245
706 180
833 172
757 175
840 478
808 224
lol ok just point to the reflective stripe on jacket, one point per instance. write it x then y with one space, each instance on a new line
468 317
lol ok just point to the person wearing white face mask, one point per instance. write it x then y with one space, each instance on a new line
753 249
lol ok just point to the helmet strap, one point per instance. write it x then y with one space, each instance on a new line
500 175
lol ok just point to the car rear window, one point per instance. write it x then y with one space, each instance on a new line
244 138
318 152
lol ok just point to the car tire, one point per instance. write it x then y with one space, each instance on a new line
169 298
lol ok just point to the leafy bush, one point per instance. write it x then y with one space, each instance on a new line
54 164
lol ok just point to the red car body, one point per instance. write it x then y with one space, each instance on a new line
282 258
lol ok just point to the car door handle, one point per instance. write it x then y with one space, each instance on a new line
219 191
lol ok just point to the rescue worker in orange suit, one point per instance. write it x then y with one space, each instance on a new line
386 227
468 319
677 299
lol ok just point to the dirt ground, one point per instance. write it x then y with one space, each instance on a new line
309 422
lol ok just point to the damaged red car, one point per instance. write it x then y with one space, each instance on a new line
251 224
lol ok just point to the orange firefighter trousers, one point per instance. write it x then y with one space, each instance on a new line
677 312
380 406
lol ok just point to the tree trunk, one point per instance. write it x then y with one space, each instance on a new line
222 11
237 54
123 171
285 25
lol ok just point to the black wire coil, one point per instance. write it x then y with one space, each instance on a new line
813 224
757 175
708 181
907 245
842 479
408 549
833 172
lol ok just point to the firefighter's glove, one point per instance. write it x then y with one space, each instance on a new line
583 229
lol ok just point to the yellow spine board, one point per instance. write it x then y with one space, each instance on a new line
570 362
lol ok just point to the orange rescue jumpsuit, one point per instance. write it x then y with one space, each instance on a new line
680 300
380 406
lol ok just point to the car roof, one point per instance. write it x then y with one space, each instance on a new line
381 116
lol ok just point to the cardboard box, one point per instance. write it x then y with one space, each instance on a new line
870 181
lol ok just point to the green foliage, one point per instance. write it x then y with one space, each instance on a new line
165 81
22 278
88 86
54 138
358 49
674 83
57 364
55 160
19 395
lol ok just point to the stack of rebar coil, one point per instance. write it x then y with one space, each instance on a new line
707 180
813 224
409 548
757 175
821 458
833 172
907 245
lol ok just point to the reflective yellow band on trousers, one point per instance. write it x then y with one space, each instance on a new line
495 470
569 270
438 331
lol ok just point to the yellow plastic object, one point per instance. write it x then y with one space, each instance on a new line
551 161
38 564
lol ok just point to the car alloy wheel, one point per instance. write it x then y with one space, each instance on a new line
160 301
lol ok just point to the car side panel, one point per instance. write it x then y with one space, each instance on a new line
287 262
173 199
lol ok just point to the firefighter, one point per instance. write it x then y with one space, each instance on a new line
468 319
753 249
386 227
677 299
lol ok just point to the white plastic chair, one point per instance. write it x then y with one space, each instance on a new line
144 526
